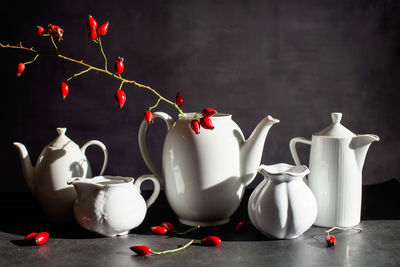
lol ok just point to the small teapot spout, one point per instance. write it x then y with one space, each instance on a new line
360 144
26 164
251 150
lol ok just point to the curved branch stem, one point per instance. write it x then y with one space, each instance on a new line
102 52
90 67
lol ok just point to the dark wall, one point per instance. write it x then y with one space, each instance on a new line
296 60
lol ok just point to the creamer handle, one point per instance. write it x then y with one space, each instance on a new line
156 189
103 147
292 146
143 145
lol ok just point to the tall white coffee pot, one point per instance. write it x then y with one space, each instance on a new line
336 160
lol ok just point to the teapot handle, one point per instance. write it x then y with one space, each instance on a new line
143 145
103 147
156 190
292 146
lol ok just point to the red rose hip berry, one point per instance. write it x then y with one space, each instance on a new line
208 112
20 68
39 30
148 116
92 34
91 23
169 226
330 240
159 230
30 237
240 226
206 123
64 90
102 30
179 99
195 125
141 250
41 238
119 66
120 97
211 241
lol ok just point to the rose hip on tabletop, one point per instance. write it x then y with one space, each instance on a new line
141 250
330 240
30 237
159 230
169 226
240 226
41 238
211 241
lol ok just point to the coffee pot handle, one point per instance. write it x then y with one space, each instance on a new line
103 147
143 145
292 146
156 189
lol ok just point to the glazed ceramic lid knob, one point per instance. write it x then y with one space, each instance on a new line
336 129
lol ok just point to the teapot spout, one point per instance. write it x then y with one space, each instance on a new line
252 148
360 145
26 165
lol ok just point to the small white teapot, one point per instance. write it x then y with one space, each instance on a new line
111 205
282 206
59 161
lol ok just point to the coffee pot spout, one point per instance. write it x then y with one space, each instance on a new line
252 148
26 165
360 145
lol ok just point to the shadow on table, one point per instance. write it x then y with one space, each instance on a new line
21 214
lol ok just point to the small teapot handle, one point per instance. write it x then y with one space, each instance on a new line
292 146
156 190
143 145
103 147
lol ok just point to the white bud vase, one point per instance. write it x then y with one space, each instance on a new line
282 206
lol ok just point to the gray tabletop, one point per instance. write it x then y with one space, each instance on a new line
70 245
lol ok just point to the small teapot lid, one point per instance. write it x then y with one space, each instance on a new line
336 129
61 140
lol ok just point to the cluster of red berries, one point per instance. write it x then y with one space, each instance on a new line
37 238
204 121
93 30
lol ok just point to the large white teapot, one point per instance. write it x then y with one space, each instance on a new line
204 175
59 161
336 160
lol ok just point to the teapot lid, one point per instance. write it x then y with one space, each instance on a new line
61 140
336 129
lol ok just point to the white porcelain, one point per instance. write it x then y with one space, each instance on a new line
61 160
336 160
204 175
111 205
282 206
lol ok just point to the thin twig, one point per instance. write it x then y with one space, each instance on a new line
119 77
77 74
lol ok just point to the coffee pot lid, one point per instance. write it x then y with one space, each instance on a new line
336 129
61 141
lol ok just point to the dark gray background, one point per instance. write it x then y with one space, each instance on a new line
296 60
